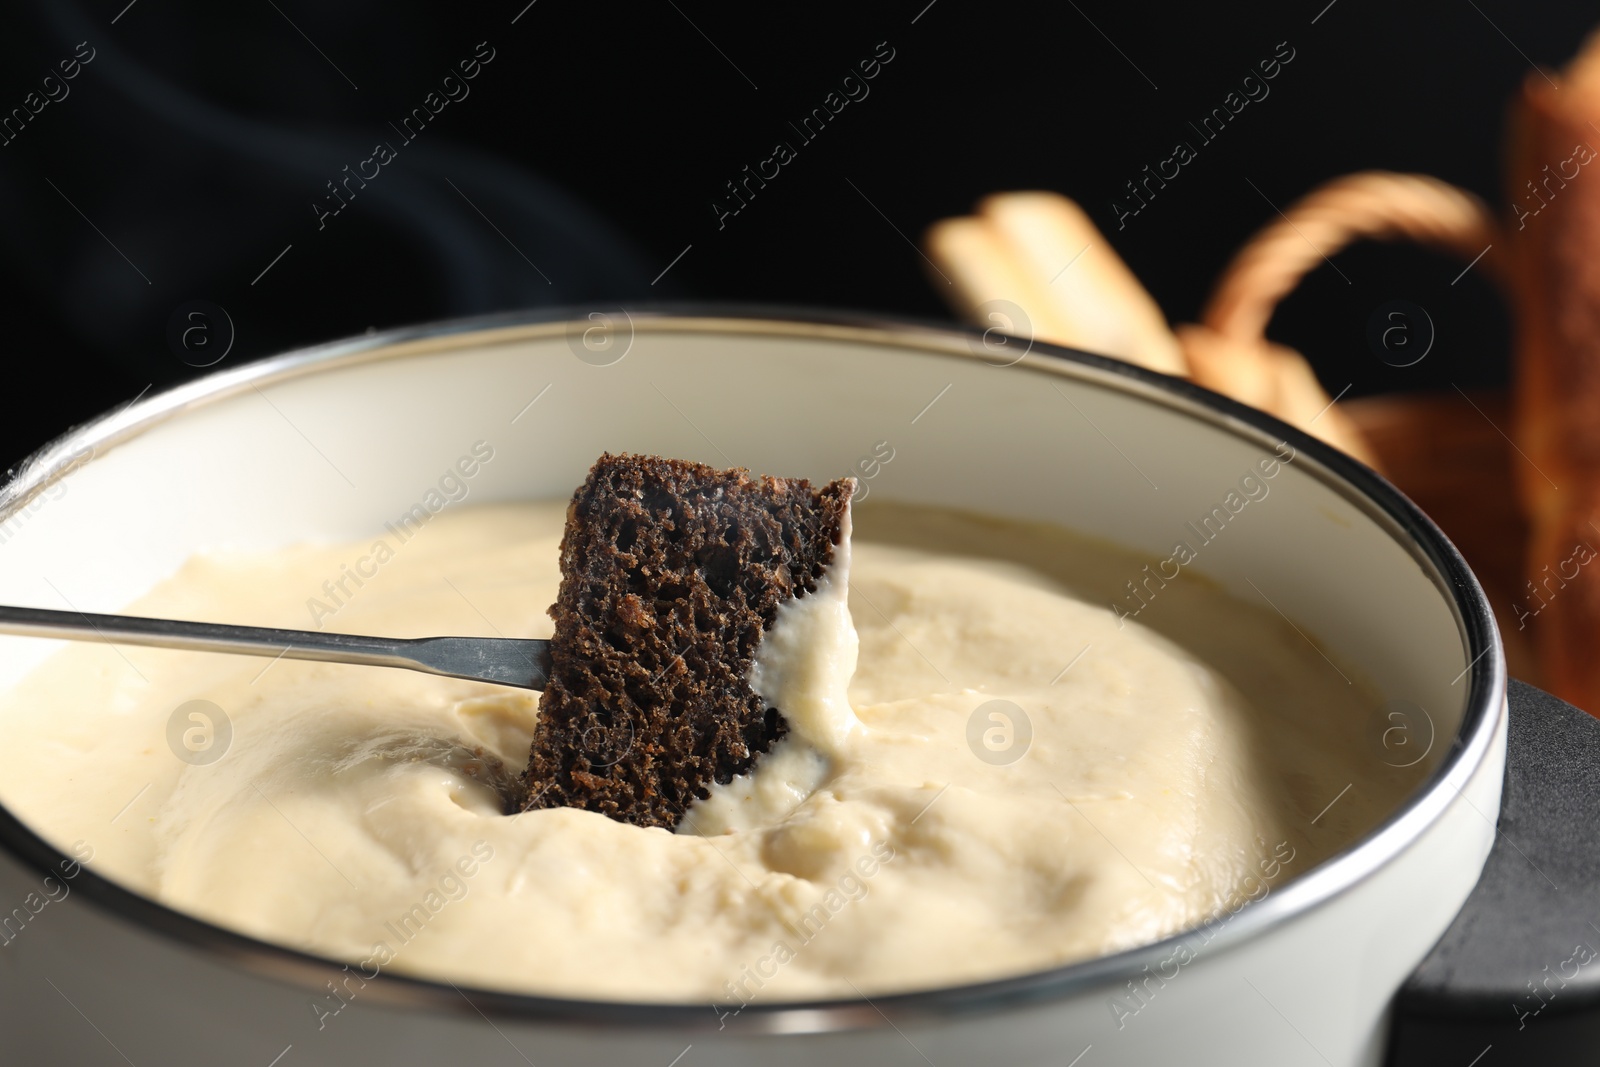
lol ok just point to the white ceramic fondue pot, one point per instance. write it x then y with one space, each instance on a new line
332 442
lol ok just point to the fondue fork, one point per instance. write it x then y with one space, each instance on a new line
500 660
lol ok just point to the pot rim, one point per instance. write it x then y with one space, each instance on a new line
1358 484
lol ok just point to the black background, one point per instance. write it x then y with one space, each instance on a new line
191 149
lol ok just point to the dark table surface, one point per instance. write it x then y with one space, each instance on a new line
1516 978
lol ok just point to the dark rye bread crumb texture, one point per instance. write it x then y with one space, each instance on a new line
671 573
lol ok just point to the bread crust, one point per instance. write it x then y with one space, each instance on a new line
671 574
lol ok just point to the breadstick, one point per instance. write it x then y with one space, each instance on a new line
981 268
1275 379
1091 288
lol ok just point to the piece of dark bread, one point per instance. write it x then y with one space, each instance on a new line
671 573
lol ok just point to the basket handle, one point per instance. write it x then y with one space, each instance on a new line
1375 205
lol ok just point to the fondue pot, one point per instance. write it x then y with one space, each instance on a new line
1342 965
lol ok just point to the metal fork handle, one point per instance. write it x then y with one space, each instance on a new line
504 661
